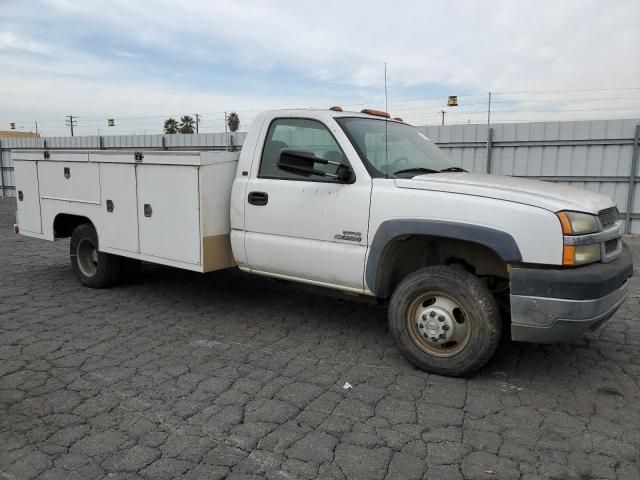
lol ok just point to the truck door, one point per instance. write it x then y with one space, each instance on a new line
311 228
28 193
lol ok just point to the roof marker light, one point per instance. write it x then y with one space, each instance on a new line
377 113
336 109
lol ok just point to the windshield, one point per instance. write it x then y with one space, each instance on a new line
406 152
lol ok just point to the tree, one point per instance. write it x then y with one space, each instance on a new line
233 121
187 124
171 125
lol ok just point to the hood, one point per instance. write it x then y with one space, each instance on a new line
551 196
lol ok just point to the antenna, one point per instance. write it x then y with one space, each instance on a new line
386 120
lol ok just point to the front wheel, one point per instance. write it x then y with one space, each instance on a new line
445 320
93 268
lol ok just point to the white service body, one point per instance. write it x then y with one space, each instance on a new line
188 194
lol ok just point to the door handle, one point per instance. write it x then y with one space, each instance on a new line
258 198
148 211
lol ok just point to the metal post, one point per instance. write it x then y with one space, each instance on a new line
2 168
489 146
489 111
226 137
164 143
632 181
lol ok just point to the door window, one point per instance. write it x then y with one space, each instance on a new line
299 134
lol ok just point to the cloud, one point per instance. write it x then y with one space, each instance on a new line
11 41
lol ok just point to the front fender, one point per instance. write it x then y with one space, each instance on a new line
500 242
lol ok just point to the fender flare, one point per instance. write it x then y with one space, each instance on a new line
500 242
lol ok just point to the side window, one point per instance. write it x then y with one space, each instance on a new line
299 134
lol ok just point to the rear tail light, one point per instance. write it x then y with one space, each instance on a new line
16 229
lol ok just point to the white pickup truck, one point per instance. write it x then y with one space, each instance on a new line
357 202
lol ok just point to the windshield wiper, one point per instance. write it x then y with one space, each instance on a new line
416 170
453 169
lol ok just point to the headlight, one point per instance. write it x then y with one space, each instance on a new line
580 254
576 223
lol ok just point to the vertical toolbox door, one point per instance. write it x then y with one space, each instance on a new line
169 212
119 206
28 193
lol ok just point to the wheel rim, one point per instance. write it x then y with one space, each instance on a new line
87 255
438 324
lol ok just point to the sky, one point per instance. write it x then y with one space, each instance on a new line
142 61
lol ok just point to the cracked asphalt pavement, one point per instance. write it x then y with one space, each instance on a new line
226 375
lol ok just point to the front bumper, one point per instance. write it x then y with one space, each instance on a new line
550 305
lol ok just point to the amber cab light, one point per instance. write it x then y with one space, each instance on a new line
377 113
336 109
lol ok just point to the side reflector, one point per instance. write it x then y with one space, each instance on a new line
377 113
336 109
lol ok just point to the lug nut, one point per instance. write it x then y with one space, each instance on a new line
432 314
445 327
419 325
424 316
425 334
442 335
434 339
441 318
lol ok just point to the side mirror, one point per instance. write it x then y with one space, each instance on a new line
302 162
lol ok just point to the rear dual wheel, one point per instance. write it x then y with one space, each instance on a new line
445 320
94 268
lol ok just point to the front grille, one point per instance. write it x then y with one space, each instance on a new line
610 246
608 217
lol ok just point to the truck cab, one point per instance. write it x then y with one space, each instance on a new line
353 201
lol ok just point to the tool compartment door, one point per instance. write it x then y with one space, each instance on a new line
27 191
169 212
69 177
119 206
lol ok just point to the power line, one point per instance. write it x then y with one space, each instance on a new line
567 91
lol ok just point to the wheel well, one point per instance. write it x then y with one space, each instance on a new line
64 224
408 253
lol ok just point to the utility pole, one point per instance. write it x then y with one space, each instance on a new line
36 122
443 112
70 123
489 112
197 115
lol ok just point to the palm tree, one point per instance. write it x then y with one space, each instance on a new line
171 125
233 120
187 124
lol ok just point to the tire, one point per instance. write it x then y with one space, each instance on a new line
445 320
93 268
